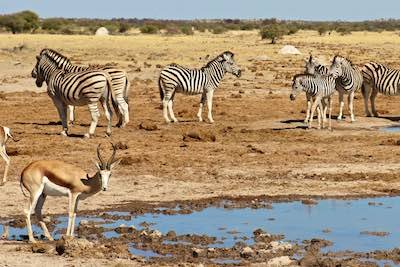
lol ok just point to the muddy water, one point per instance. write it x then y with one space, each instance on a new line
358 225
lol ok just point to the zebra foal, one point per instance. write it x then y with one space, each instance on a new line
76 89
119 79
349 79
378 78
318 87
175 78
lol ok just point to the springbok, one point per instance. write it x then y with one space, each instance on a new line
5 134
56 178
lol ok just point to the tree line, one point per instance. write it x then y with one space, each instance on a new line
272 29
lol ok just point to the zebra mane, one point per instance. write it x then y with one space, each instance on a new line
215 59
302 75
53 61
348 60
54 53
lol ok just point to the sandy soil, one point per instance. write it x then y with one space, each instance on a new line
257 146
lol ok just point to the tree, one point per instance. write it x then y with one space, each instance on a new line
274 32
20 22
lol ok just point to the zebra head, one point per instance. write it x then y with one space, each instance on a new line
336 69
229 64
298 85
37 72
311 65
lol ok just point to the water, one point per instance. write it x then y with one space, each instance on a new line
345 219
391 129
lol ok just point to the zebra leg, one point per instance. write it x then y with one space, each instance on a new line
171 110
71 114
108 113
94 112
62 111
330 113
210 94
372 97
124 116
317 101
202 102
351 108
117 112
366 89
309 103
341 104
319 117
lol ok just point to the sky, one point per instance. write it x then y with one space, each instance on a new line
347 10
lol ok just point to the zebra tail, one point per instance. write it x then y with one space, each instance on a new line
161 89
126 91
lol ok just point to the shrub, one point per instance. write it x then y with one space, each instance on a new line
273 32
343 30
172 30
149 29
52 24
123 27
20 22
218 30
187 29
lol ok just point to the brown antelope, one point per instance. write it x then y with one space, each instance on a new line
55 178
5 133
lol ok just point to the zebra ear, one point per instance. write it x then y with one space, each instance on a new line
37 58
220 59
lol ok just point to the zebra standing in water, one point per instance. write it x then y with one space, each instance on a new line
77 89
175 78
317 86
379 78
120 85
349 80
314 67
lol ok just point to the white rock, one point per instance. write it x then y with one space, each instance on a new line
275 246
102 31
289 50
279 261
246 252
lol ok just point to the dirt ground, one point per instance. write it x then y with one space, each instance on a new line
257 146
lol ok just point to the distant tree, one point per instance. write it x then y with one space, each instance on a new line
20 22
124 27
343 30
274 32
52 24
187 29
149 29
218 30
322 29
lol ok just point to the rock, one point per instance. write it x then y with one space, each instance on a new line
123 229
289 50
246 252
171 235
155 234
83 222
276 246
280 261
71 246
148 126
197 252
236 84
309 202
121 146
42 248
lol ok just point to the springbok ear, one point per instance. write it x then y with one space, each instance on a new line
115 163
97 165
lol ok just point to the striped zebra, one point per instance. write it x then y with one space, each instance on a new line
317 86
174 78
76 89
379 78
120 84
349 79
314 67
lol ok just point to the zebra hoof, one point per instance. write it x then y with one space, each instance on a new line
86 136
64 133
108 134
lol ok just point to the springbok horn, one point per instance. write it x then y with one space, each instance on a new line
111 160
99 156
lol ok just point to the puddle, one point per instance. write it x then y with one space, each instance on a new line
390 129
344 222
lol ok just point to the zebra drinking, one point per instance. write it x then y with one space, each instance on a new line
317 86
314 67
175 78
349 80
120 84
77 89
378 78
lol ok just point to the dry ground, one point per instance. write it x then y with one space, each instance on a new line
257 146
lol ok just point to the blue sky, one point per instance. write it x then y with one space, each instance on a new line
353 10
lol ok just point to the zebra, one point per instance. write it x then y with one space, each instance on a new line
314 67
175 78
349 80
120 84
317 86
378 78
77 89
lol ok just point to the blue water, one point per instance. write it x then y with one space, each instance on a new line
346 219
391 129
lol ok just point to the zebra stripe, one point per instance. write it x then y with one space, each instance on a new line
379 78
175 78
349 80
76 89
120 84
316 86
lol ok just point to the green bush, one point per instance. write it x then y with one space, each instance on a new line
25 21
343 30
149 29
274 32
187 29
218 30
123 27
52 24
